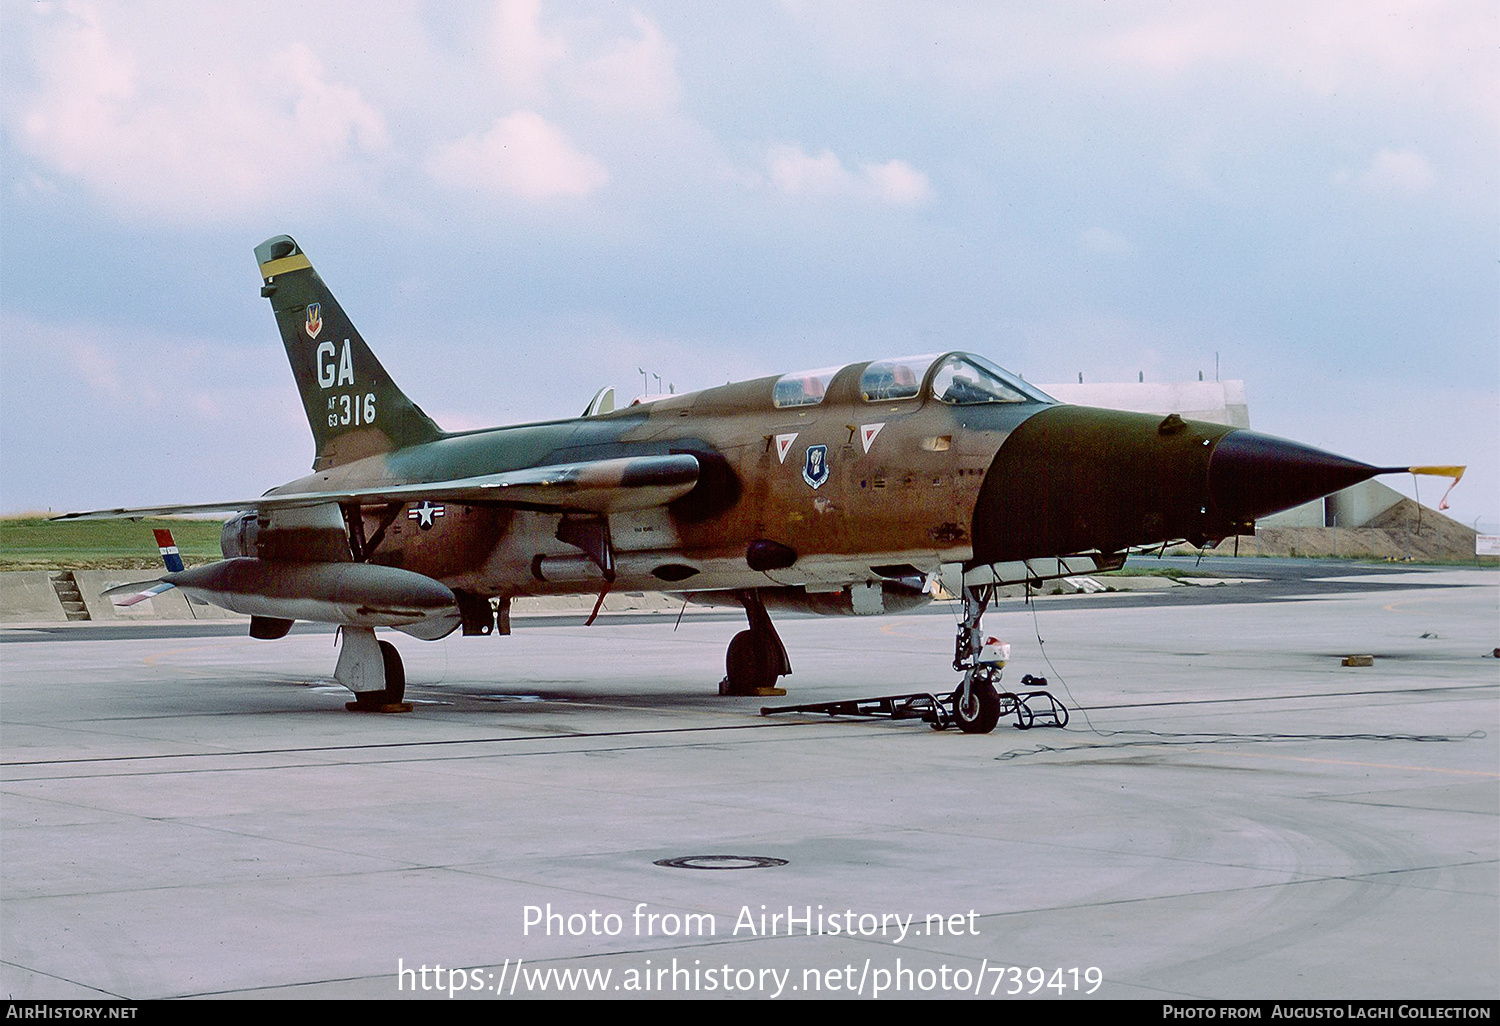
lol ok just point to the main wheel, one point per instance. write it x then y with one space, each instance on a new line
981 712
395 673
748 665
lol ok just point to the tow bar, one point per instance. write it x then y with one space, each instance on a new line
1032 709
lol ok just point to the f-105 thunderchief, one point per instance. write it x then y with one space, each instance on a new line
841 490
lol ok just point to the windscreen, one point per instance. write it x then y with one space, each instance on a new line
966 380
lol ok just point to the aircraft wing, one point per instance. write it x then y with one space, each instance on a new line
597 486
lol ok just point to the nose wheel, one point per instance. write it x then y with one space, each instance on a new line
978 711
976 703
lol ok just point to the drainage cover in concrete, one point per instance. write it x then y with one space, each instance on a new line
720 862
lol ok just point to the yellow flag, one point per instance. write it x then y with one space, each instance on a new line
1453 472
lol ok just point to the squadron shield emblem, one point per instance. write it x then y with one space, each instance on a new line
314 319
815 466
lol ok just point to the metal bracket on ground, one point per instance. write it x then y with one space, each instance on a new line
937 711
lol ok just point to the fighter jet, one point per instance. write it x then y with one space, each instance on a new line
838 490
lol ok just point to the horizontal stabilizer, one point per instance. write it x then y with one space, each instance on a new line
598 486
148 589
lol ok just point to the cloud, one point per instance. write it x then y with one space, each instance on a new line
583 60
521 156
523 50
115 372
1103 242
1170 46
795 172
1328 48
100 372
189 139
634 73
1397 171
135 435
326 117
896 181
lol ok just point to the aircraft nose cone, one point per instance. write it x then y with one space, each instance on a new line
1252 475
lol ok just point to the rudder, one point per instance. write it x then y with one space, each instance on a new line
353 406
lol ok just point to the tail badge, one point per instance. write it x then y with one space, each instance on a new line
314 319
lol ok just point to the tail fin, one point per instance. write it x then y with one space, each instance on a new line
167 546
353 406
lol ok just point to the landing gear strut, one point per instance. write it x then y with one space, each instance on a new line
976 703
756 657
372 670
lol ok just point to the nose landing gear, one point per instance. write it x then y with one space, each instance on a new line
976 703
976 707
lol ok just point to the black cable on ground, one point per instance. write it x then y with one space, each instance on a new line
1197 738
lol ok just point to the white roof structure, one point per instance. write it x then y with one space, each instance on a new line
1216 402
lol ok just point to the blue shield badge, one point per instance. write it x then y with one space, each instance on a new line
815 466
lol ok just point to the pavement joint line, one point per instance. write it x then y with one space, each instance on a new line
399 762
64 979
404 744
665 949
1145 898
1363 765
474 868
230 992
1283 698
467 869
867 735
1426 869
1354 800
663 730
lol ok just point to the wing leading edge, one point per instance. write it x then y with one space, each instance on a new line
597 486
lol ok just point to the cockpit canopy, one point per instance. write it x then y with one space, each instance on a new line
803 388
959 379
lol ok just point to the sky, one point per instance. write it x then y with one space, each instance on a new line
519 202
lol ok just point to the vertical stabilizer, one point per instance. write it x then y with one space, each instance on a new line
353 406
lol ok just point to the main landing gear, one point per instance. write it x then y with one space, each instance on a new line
372 670
756 657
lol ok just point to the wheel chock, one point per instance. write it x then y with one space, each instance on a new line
384 707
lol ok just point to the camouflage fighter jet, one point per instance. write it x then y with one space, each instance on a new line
840 490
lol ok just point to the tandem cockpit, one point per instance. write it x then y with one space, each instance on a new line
959 379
